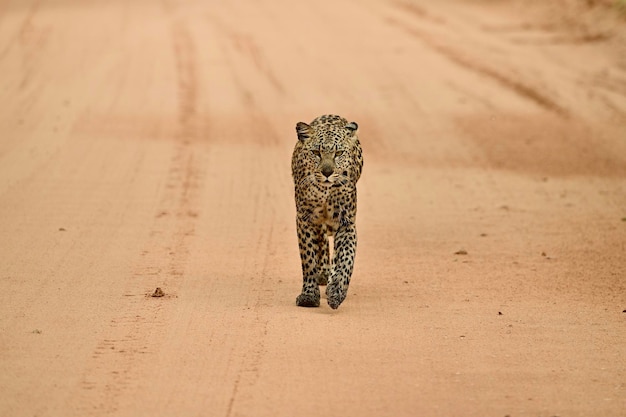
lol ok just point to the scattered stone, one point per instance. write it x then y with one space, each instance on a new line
499 313
158 292
461 252
37 331
61 229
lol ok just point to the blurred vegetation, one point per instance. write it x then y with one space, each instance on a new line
620 5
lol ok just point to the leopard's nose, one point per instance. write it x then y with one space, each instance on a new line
327 171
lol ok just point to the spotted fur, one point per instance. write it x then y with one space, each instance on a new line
326 165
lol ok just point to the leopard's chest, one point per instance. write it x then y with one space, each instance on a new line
325 213
329 208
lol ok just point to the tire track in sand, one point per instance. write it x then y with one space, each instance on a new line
133 336
515 86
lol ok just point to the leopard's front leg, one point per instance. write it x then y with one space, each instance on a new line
311 241
323 256
345 250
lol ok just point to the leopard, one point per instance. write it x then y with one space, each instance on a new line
326 164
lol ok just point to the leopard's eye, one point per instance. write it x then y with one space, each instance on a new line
316 152
338 153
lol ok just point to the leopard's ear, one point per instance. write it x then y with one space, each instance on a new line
304 131
352 128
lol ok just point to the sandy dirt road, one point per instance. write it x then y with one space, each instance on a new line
147 144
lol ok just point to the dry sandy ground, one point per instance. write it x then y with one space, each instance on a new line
148 144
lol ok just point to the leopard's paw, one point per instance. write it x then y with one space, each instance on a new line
308 300
336 294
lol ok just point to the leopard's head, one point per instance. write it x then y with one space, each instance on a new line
327 151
